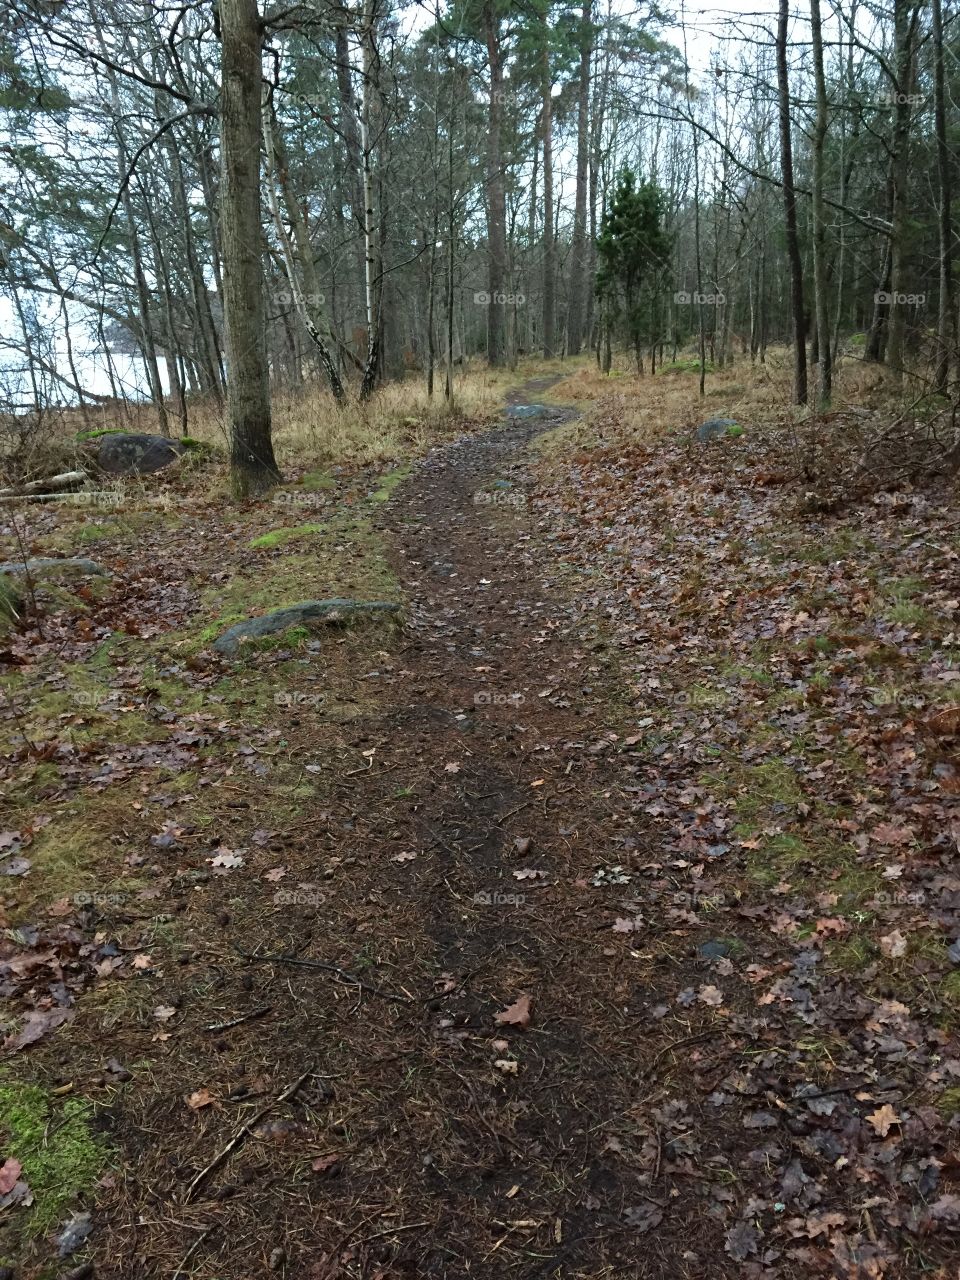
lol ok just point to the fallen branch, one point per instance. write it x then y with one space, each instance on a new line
327 968
63 481
238 1022
84 497
241 1133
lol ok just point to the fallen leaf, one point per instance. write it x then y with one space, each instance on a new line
643 1217
711 996
883 1119
516 1014
200 1098
36 1024
10 1172
894 945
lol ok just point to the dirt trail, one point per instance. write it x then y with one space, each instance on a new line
426 1138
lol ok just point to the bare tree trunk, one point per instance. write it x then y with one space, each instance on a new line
549 239
496 199
946 334
373 276
790 212
253 467
821 302
578 244
904 37
306 297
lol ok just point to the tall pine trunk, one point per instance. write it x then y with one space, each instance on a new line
790 212
821 302
578 243
496 199
253 467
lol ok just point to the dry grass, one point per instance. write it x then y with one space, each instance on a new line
649 407
309 428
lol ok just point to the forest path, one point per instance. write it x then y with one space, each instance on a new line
471 1094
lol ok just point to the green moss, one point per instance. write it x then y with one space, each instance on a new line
101 431
278 537
54 1142
389 482
906 613
949 1104
314 481
291 638
96 532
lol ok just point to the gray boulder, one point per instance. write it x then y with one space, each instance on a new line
48 567
128 454
329 612
527 411
715 427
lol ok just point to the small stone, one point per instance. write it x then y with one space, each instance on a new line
715 949
714 428
277 1259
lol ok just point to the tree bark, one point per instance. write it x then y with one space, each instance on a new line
790 212
821 302
253 467
904 23
549 238
946 334
578 243
496 199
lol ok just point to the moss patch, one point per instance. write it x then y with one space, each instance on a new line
389 483
54 1142
277 537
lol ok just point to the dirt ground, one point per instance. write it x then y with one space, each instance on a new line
479 1027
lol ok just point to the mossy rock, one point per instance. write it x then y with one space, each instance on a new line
51 567
336 612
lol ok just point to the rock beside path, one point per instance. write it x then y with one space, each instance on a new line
330 612
713 428
527 411
123 453
50 567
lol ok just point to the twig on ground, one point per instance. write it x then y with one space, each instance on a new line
238 1022
241 1133
181 1269
326 968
